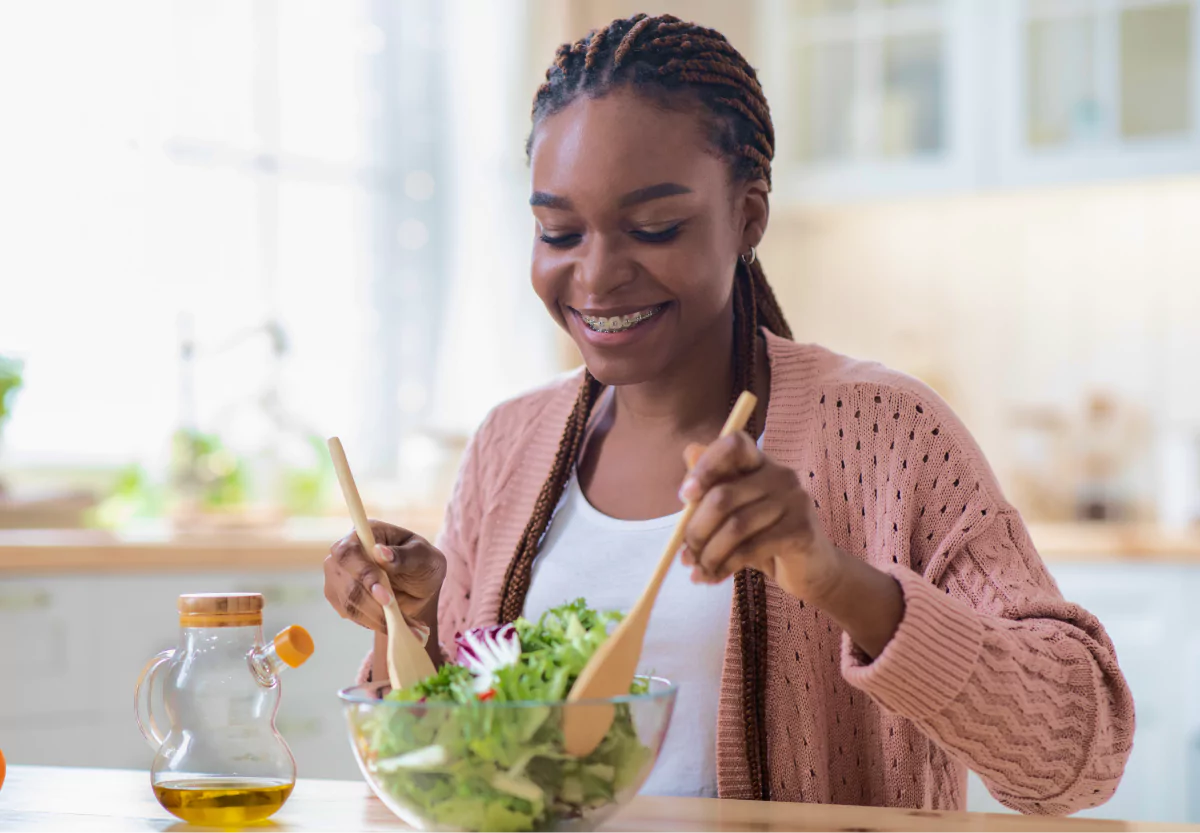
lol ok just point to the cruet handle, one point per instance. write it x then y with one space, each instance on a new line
148 726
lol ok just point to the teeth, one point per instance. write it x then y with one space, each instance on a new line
617 323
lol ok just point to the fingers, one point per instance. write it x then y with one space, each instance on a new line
716 505
725 459
356 585
352 558
734 564
349 597
416 570
415 567
727 550
390 535
408 569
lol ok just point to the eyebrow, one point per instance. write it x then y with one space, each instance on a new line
653 192
541 198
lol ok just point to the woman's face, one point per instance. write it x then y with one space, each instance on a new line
639 230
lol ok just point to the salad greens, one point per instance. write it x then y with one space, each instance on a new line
484 766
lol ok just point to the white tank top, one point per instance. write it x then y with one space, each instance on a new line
608 561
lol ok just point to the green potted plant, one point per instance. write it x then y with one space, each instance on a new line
10 382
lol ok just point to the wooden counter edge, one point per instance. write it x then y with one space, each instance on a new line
91 551
56 797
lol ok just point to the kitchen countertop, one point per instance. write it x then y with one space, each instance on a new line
302 544
1098 541
64 798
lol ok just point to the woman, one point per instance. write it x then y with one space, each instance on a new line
867 617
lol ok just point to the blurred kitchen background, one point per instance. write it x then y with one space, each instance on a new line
234 228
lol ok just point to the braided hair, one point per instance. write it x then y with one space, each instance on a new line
676 63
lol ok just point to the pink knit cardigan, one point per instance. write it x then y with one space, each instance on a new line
990 668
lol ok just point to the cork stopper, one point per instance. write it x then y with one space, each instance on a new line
220 610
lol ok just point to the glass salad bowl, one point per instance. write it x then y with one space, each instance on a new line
491 765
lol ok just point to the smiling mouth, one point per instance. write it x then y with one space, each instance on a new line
620 323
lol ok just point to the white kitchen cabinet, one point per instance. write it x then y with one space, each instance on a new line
1096 89
47 647
870 97
895 98
75 647
67 739
315 730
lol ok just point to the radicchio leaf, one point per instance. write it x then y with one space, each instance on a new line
484 651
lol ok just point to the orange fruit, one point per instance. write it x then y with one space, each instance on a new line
1 768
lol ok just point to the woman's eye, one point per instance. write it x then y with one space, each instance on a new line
657 236
561 241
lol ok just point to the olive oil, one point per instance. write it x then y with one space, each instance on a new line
223 801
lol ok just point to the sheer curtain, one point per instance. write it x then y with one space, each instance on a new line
498 340
344 181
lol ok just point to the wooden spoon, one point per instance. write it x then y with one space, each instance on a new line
609 672
407 662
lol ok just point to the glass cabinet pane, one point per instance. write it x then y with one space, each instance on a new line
909 4
825 83
818 8
912 117
1155 75
1062 91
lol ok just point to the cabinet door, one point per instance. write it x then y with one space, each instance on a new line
1191 729
48 648
68 739
1094 89
315 730
870 97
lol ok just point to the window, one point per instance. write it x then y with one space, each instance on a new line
284 186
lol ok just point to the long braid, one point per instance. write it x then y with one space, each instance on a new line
520 569
769 311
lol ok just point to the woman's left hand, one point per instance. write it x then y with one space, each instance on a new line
752 512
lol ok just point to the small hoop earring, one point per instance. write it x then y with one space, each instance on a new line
749 257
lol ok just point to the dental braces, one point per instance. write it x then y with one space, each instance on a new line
601 324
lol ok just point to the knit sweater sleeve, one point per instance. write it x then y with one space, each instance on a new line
993 665
459 536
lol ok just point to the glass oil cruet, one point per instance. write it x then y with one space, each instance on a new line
220 761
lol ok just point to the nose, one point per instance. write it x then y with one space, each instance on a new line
602 268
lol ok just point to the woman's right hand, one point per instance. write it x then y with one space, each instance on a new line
405 566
